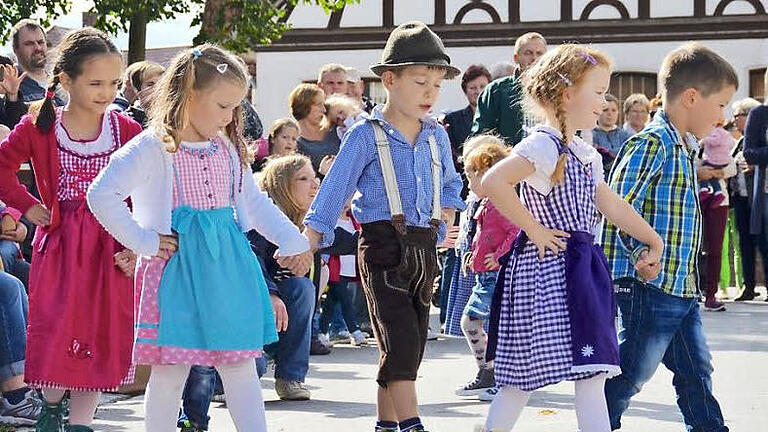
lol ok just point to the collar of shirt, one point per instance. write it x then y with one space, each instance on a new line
428 125
690 141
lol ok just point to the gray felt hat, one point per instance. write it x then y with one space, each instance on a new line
414 44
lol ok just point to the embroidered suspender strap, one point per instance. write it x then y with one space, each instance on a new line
390 181
437 169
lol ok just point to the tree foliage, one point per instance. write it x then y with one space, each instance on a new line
13 11
238 25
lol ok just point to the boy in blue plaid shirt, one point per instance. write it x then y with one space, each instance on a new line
400 164
656 173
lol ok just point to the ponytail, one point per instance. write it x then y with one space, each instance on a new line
47 114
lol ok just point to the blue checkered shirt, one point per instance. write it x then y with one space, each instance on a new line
357 168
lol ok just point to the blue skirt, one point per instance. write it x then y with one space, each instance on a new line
212 294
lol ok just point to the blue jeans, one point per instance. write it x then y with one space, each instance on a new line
198 393
12 263
655 327
339 293
291 352
13 326
479 303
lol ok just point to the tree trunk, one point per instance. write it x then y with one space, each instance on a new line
137 38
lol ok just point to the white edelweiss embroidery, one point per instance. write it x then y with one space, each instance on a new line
587 351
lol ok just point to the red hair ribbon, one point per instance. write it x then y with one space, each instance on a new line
50 94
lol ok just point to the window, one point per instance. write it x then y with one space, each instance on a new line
757 84
624 84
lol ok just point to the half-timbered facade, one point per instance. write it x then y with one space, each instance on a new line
635 33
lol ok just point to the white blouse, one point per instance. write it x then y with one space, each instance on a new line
540 149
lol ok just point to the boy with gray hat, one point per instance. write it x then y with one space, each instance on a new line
399 162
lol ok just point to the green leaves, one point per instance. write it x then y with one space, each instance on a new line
238 25
14 11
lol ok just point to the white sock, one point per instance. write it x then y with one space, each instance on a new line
163 397
244 399
82 407
591 408
506 408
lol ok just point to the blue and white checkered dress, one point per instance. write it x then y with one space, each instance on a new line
534 338
461 284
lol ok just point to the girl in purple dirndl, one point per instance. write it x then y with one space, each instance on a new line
553 312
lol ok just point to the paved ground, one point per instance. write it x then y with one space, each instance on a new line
343 389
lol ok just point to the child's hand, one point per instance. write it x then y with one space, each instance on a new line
448 215
648 264
313 236
326 164
296 264
12 230
38 215
169 244
126 261
281 313
451 234
545 239
490 262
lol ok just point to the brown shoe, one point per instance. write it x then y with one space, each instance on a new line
291 390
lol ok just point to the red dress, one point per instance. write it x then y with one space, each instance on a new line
80 328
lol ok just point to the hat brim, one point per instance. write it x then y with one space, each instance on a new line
450 71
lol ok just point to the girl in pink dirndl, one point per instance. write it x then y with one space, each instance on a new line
81 298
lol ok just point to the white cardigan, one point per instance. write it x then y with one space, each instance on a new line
143 170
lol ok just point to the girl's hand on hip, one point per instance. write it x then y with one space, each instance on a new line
550 239
38 215
281 313
169 244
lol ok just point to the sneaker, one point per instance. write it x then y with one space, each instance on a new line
189 427
77 428
51 418
431 335
24 413
484 380
359 338
317 348
488 395
220 398
343 336
291 390
746 295
713 305
324 339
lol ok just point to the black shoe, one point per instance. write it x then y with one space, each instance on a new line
317 348
483 381
746 295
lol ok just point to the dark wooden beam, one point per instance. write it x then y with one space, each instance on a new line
388 13
514 11
439 12
643 9
595 31
566 10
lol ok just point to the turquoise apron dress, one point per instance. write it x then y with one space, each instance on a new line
212 294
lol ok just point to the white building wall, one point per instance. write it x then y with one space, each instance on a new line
279 72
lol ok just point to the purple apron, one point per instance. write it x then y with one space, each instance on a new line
591 304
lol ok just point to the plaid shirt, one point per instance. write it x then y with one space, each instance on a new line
655 172
357 169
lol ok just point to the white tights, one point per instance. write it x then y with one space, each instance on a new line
591 409
82 405
241 384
